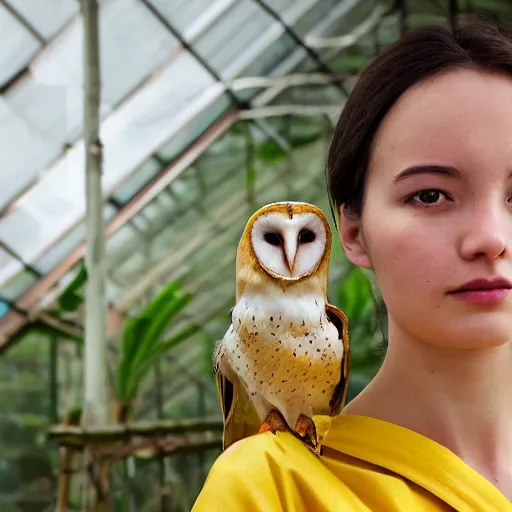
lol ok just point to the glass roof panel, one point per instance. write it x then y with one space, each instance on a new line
281 6
131 134
225 189
184 13
120 244
223 47
21 43
216 174
9 266
351 14
214 262
57 252
265 62
156 217
47 17
43 111
16 286
20 147
148 170
134 43
192 130
186 188
322 11
133 268
166 201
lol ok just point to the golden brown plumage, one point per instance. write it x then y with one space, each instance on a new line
286 349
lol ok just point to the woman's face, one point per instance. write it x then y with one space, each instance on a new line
438 209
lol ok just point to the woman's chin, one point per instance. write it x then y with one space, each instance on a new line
479 333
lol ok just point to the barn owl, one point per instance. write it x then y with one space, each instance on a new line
285 356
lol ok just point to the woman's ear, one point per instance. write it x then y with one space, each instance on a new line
352 239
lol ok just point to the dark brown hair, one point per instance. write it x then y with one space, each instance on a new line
420 54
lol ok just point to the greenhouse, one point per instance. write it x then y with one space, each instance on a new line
207 110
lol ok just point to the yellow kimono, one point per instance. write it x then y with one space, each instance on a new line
366 465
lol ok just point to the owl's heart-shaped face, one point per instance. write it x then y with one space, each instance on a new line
289 247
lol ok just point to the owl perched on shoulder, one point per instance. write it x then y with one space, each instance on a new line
285 356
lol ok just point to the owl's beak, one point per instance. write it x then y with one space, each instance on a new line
290 250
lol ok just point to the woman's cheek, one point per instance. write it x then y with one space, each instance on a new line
408 266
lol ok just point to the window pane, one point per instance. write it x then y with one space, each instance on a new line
17 43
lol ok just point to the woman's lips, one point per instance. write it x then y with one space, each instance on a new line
484 290
492 296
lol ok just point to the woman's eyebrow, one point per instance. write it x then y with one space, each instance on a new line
414 170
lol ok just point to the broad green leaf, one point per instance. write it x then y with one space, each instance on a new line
143 332
133 336
159 324
161 299
69 300
270 152
157 351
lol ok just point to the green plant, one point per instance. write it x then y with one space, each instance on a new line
69 300
355 298
142 342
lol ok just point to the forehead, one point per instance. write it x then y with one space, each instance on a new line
456 117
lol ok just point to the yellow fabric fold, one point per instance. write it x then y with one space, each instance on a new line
366 465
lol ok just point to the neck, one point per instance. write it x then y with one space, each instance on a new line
461 399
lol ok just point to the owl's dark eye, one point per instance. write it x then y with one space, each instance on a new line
306 236
273 238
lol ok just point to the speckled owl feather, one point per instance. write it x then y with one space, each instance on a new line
286 348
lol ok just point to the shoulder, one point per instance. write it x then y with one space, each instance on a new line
242 475
267 472
255 455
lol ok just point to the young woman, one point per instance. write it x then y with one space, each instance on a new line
420 170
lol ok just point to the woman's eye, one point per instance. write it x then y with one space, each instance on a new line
427 197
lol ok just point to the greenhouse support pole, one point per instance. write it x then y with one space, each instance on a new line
95 412
95 376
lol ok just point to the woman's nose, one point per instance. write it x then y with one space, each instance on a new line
488 235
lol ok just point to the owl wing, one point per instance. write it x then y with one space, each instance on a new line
340 321
238 413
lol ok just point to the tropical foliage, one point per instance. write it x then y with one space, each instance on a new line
142 344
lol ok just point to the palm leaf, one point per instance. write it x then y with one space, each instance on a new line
133 335
134 332
141 344
157 351
161 299
158 325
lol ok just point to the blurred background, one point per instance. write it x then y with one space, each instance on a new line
208 110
